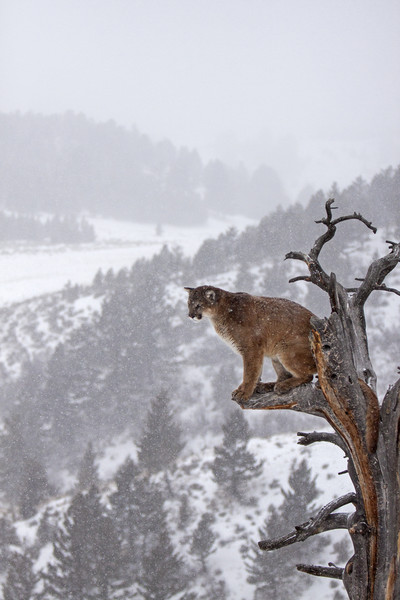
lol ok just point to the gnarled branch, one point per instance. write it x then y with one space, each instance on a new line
322 522
306 530
376 274
317 274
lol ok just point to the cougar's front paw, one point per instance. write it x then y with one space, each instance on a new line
240 394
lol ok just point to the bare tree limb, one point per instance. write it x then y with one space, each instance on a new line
331 226
329 222
380 288
323 521
350 498
301 278
376 274
317 274
306 530
332 572
321 436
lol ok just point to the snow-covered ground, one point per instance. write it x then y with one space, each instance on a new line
27 271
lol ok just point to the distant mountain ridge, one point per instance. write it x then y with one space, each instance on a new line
65 164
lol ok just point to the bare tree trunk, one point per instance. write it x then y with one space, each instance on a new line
369 434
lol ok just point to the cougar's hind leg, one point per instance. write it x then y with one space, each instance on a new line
281 387
301 367
280 370
282 375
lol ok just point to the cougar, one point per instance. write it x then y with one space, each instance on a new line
255 327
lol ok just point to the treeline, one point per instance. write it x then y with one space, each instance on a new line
143 535
51 230
378 201
68 163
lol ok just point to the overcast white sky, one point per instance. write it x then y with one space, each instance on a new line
311 87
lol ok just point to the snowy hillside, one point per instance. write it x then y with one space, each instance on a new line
235 525
32 270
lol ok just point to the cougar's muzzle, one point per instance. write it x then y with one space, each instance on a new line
194 316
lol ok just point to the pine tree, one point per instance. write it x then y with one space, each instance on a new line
203 540
149 514
98 280
47 529
184 511
13 454
126 504
8 537
138 509
234 466
162 575
273 573
215 590
269 573
149 559
34 487
161 440
88 472
21 579
86 553
301 493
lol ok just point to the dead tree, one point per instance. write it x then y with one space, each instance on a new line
369 434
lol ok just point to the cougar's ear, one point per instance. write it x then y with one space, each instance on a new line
210 295
188 289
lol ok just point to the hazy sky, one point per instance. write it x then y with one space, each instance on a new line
311 87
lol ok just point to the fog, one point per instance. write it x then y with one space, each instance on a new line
310 88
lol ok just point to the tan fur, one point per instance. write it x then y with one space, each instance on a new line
255 327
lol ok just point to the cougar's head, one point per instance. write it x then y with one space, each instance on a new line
201 301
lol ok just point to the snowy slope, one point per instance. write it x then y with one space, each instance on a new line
235 525
33 328
27 271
